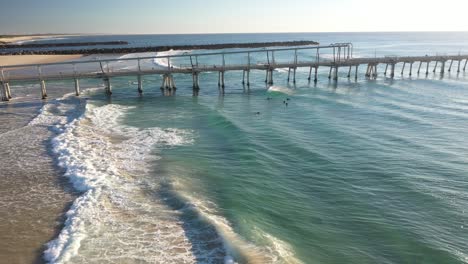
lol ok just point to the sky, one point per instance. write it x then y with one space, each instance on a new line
229 16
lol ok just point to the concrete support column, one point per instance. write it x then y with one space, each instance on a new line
458 68
349 72
140 84
356 73
222 79
310 74
386 68
411 69
77 87
248 77
427 68
170 82
368 71
289 74
435 67
107 85
4 92
329 73
269 76
392 70
43 90
464 67
168 86
8 90
294 75
419 68
442 67
335 74
450 66
196 80
316 74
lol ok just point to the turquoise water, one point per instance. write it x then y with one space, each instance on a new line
347 172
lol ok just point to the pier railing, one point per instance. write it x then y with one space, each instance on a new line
334 56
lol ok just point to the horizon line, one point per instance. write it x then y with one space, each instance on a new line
234 33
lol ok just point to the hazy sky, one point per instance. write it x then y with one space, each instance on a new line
216 16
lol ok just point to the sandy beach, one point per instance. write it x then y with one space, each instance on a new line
14 39
7 60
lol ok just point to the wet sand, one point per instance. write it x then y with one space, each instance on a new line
33 193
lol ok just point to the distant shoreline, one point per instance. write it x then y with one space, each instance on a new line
66 44
160 48
11 39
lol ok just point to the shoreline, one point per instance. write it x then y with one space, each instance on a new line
8 60
12 39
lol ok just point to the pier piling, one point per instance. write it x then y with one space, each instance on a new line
356 73
107 85
316 75
310 74
168 82
196 80
8 90
269 76
294 75
140 84
335 73
77 87
43 90
221 77
4 92
419 68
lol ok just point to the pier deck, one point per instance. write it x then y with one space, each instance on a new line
334 57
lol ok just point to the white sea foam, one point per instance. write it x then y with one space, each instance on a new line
105 160
280 89
38 39
163 62
282 70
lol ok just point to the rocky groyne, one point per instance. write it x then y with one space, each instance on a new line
159 48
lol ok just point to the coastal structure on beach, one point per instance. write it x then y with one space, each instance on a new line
341 57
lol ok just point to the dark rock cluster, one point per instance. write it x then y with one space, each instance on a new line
158 48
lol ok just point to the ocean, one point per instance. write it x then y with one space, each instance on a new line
366 171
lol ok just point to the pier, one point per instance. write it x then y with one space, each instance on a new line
335 58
